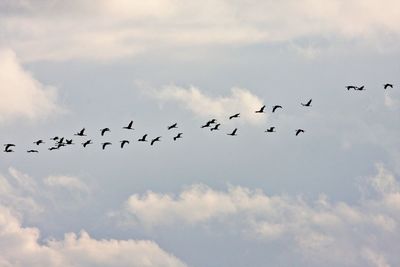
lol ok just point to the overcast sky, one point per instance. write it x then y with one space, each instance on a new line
327 197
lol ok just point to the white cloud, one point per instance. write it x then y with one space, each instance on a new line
20 246
221 107
322 231
21 95
68 182
54 30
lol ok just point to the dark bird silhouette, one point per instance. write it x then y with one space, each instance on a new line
129 127
58 145
237 115
274 108
208 124
123 143
158 138
350 87
81 132
175 125
38 142
215 127
212 121
261 110
178 136
361 88
104 145
298 131
387 85
60 141
270 130
53 148
233 133
308 104
88 142
32 151
143 139
69 142
7 147
103 131
55 138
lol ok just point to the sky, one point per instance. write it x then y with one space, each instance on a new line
329 196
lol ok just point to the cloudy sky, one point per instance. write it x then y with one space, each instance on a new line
330 196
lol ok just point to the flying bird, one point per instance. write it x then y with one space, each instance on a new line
53 148
208 124
237 115
69 142
103 131
350 87
233 133
143 139
155 140
274 108
38 142
308 104
212 121
129 127
215 127
32 151
8 146
298 131
175 125
261 110
88 142
104 145
55 138
178 136
123 143
361 88
270 130
387 85
81 132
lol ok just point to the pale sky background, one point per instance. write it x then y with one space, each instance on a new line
330 196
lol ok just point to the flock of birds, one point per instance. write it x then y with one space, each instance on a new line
212 124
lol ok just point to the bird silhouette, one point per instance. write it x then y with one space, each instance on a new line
123 143
53 148
212 121
298 131
143 139
233 133
38 142
175 125
208 124
270 130
81 132
157 139
215 127
88 142
55 138
361 88
308 104
69 142
104 145
274 108
387 85
32 151
179 135
60 141
261 110
7 147
129 127
350 87
237 115
103 131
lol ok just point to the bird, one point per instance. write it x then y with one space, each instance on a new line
270 130
55 138
387 85
143 139
129 127
81 132
237 115
103 131
104 145
58 145
361 88
308 104
274 108
60 141
32 151
53 148
155 140
261 110
350 87
212 121
175 125
298 131
69 142
8 146
215 127
88 142
233 133
123 143
208 124
38 142
178 136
